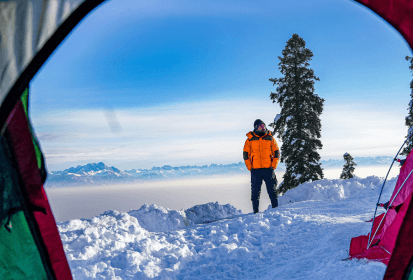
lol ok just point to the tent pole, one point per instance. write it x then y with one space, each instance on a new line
381 191
390 204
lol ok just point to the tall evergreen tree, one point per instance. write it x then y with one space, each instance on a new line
298 126
409 118
348 167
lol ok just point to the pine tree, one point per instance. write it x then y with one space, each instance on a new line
409 118
348 167
298 126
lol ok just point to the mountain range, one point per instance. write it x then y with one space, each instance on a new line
101 174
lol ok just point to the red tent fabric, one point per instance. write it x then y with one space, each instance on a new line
384 239
358 246
24 151
399 13
403 250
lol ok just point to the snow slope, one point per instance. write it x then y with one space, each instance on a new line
306 237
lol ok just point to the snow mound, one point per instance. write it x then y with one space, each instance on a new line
158 219
118 244
211 212
154 242
336 189
155 218
114 245
96 240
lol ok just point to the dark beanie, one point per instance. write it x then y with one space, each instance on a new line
257 123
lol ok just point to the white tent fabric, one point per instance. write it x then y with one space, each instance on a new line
25 26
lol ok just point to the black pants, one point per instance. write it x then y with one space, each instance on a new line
268 175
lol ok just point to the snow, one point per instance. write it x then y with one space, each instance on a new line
210 212
277 117
306 237
410 131
297 176
332 190
77 175
92 172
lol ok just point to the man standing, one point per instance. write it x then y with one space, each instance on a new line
261 156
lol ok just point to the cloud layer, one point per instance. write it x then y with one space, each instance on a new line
199 133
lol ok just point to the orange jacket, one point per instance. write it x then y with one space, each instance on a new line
261 151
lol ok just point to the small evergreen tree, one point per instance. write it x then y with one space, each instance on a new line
409 118
348 167
298 126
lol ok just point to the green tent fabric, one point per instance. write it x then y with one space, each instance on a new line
39 154
30 243
10 198
30 30
19 257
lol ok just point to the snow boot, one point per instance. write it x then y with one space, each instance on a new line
274 199
255 206
274 203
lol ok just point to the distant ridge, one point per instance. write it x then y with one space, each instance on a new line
101 174
90 174
360 161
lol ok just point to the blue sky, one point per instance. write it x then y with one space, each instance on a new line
152 83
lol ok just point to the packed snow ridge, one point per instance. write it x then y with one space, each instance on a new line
100 174
306 237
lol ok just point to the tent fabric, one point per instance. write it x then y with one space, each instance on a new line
26 155
39 155
25 27
384 240
19 257
10 197
404 192
389 236
358 245
31 30
399 13
26 220
18 130
403 250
